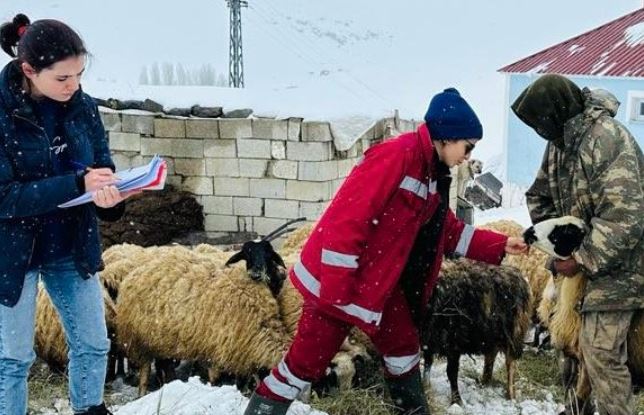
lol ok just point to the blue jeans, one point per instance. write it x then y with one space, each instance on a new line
79 303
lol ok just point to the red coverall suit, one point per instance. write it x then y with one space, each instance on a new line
350 266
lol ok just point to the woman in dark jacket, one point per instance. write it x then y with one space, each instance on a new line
52 149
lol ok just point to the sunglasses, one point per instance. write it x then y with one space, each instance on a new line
469 146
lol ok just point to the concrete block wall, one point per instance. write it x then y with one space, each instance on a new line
250 175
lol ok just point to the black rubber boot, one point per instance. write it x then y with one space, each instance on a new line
96 410
407 394
258 405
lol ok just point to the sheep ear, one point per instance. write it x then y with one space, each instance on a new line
278 259
235 258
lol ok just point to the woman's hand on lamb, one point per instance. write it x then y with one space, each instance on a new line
567 267
515 246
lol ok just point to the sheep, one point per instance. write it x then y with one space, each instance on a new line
476 308
49 337
295 241
559 237
176 310
533 268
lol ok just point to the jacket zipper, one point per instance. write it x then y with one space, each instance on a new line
42 130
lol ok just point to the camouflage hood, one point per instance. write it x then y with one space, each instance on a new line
547 104
599 102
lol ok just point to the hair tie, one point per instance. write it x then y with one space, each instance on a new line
21 30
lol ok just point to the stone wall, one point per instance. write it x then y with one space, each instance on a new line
250 175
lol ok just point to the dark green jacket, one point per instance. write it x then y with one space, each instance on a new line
596 172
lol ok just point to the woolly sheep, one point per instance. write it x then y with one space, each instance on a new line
476 308
532 266
176 310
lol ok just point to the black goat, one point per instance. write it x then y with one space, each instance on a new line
262 262
476 308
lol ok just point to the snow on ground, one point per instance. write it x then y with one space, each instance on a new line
195 398
483 400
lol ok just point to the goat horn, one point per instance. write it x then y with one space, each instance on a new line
272 236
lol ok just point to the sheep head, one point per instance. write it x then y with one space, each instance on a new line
559 237
262 262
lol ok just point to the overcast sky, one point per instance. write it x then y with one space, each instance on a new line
396 53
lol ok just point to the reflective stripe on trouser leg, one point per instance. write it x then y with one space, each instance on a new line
397 338
316 331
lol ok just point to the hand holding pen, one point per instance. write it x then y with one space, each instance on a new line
100 182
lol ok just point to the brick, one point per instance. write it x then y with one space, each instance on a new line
225 223
248 206
270 129
312 210
308 151
283 169
176 181
316 131
268 188
307 191
160 146
198 185
250 148
124 141
345 166
252 167
317 171
111 121
278 150
169 127
220 148
276 208
121 161
220 205
294 129
202 128
235 128
245 223
264 226
187 148
190 167
229 186
142 124
222 167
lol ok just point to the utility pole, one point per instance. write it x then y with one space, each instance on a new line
236 57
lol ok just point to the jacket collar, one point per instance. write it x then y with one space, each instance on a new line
16 100
428 150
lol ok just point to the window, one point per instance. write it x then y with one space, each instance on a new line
637 106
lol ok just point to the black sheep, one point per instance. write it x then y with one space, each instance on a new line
477 309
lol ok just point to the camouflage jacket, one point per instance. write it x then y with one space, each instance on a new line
596 173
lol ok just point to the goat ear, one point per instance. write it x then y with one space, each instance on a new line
278 259
235 258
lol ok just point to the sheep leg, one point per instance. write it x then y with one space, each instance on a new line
144 377
510 368
213 374
488 367
429 360
452 374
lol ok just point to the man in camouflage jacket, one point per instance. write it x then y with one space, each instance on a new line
593 169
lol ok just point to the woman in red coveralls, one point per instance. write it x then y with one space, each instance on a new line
374 257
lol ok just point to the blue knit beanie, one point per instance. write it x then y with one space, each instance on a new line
449 117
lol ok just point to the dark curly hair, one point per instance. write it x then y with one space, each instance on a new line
41 43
